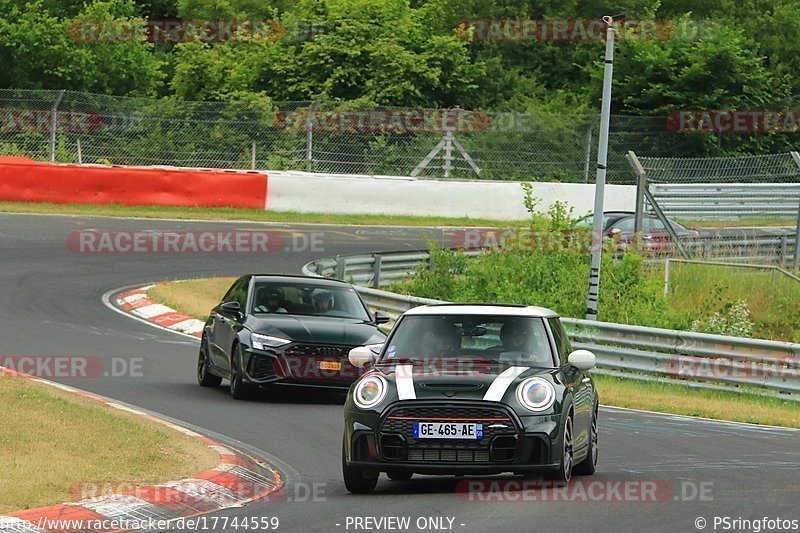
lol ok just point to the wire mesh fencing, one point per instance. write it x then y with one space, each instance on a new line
330 137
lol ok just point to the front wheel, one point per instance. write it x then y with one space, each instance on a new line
204 377
239 388
356 480
564 473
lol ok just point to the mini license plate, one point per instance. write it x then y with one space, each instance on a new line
447 430
330 365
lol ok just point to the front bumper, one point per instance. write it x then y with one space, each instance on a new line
301 365
384 442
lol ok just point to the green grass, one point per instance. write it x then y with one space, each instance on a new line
53 444
773 299
249 215
680 400
740 223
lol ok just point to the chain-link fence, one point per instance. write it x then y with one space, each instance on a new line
325 136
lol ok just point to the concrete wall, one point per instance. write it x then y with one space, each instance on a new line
390 195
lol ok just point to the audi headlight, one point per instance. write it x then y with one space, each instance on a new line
537 394
262 342
369 392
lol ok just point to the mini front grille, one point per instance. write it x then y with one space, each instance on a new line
498 428
318 350
424 455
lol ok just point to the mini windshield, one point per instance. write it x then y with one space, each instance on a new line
504 339
308 299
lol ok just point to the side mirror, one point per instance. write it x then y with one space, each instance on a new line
616 231
231 307
360 356
381 317
582 359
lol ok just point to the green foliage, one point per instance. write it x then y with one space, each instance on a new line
556 279
733 319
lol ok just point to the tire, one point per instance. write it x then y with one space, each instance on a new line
204 377
588 466
239 388
354 479
564 473
400 476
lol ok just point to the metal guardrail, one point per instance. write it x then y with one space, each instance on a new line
715 201
701 360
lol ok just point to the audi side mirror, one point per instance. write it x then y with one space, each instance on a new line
381 317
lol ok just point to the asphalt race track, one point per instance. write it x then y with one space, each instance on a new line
52 305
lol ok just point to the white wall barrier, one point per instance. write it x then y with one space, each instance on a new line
392 195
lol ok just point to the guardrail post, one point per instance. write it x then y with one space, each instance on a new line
376 270
253 156
340 267
80 155
666 278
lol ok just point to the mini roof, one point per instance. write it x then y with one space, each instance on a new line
483 309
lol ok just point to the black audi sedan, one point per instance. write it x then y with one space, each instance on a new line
471 389
280 330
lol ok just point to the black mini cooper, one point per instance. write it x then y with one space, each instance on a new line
271 330
471 389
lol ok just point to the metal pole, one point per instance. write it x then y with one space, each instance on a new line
80 155
310 135
589 133
253 156
797 240
600 181
641 183
53 124
666 278
796 158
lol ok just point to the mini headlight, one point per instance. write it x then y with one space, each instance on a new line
261 342
537 394
369 392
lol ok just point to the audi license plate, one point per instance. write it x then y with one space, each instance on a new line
330 365
447 430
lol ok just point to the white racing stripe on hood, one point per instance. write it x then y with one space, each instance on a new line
404 379
501 383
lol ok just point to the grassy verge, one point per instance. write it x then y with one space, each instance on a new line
250 215
196 297
698 290
51 442
675 399
741 223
